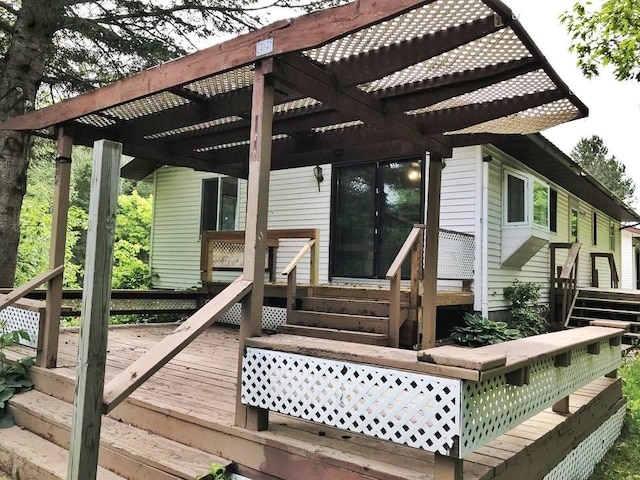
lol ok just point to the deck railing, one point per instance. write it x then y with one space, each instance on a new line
447 400
563 280
291 271
613 271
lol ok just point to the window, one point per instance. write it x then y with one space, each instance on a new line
553 210
219 203
612 236
516 198
540 204
573 224
594 227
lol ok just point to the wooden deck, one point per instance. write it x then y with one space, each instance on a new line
192 400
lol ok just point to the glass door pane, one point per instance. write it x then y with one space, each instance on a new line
399 209
355 221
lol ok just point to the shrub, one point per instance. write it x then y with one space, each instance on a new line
13 374
480 331
527 315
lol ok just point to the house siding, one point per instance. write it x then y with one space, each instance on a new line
537 268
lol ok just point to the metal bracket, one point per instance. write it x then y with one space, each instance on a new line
264 47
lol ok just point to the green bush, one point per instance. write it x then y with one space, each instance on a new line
480 331
527 315
13 374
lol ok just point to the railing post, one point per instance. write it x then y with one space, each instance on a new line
47 355
447 468
417 272
552 284
394 310
256 230
314 259
291 291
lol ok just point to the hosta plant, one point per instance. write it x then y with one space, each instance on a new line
480 331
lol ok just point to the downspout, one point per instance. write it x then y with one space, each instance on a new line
484 254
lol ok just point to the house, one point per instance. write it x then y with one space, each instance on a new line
373 80
530 193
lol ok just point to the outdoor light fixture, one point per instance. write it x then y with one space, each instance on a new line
317 172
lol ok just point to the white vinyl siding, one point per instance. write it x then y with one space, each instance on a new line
537 268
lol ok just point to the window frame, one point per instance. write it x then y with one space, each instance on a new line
526 201
574 205
220 180
594 228
612 235
553 210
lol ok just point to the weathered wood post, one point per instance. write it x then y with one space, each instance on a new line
47 355
430 277
447 468
256 229
92 354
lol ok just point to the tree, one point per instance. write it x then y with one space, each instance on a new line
70 46
609 36
593 156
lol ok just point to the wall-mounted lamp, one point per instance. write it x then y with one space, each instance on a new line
317 172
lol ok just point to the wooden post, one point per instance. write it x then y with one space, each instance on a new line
256 230
47 355
96 295
314 258
430 278
552 284
447 468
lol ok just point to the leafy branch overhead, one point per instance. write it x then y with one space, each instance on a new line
606 37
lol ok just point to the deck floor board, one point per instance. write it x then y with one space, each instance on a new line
199 385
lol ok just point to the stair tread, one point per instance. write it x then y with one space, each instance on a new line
608 310
588 319
158 452
336 334
345 321
608 300
40 459
345 315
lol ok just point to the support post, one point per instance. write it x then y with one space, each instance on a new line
447 468
96 295
47 355
430 278
256 230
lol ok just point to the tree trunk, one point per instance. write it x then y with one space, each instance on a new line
20 78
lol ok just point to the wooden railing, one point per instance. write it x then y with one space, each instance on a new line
291 271
224 250
413 245
615 279
476 394
563 280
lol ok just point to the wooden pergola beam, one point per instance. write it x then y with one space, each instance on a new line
312 80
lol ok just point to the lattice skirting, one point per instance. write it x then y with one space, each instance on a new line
418 410
580 463
456 255
141 304
493 407
22 319
272 317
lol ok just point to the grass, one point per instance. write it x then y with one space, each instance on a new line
622 462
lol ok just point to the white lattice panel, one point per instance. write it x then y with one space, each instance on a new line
493 407
418 410
272 317
229 255
21 319
456 255
580 463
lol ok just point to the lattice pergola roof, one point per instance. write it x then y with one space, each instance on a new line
365 80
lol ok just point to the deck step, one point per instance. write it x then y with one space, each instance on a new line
129 451
350 306
360 292
356 323
609 300
335 334
608 311
27 456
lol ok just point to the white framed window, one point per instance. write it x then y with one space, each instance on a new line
574 220
612 235
219 208
527 200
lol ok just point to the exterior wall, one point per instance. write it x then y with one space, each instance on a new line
627 274
537 268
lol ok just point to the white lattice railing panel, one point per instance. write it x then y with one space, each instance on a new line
225 255
580 463
272 317
141 304
22 319
493 407
456 255
413 409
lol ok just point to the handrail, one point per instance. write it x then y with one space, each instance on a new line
615 279
414 244
291 271
294 263
129 379
31 285
564 280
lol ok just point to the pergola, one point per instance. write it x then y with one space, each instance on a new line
369 80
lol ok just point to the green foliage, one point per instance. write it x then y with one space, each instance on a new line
13 374
609 36
622 460
527 315
593 156
216 472
480 331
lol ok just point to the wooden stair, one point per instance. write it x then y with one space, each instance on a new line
43 424
613 308
358 315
